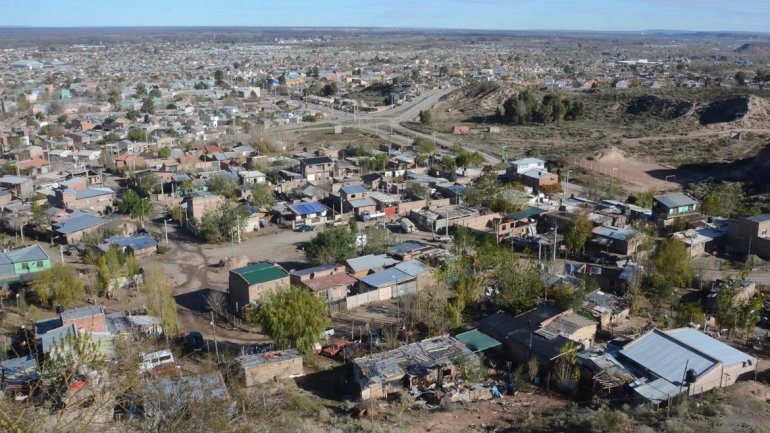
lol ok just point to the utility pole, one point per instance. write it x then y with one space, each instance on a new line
555 236
61 252
165 230
214 330
238 227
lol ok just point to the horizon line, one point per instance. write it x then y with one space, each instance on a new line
310 27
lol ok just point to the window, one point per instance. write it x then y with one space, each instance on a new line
39 264
25 266
258 288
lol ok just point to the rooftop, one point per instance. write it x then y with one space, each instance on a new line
675 200
363 263
261 272
266 358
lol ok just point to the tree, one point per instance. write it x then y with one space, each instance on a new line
131 204
518 284
293 318
72 354
223 186
741 77
330 89
376 240
141 90
160 298
177 214
331 246
262 195
577 233
219 77
418 190
672 262
223 223
63 119
150 184
216 302
137 134
567 295
148 105
425 146
59 285
426 118
164 152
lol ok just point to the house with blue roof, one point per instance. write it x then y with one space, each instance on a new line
139 245
311 213
72 229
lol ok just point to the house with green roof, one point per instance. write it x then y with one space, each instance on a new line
249 283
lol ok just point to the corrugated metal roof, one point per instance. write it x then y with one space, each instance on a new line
385 278
91 192
714 348
354 189
307 208
371 261
27 254
82 312
259 273
666 357
412 267
760 218
477 341
77 223
308 271
675 200
363 202
614 233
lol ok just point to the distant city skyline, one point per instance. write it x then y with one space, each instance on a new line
598 15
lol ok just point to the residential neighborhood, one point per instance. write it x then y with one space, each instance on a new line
306 231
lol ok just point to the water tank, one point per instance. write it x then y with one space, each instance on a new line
691 376
59 309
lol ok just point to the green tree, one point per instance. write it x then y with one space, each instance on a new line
672 262
141 90
293 318
59 285
223 186
425 146
63 119
137 135
71 354
223 223
331 246
164 152
132 115
159 291
577 233
567 295
485 189
426 118
177 214
262 195
418 190
219 77
518 284
131 204
376 240
329 89
740 78
148 105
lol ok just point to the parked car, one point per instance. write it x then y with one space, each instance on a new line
306 228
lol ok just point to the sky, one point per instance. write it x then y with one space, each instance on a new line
603 15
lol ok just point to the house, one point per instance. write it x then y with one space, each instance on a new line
140 245
702 240
750 235
540 333
518 224
248 284
354 192
416 365
19 186
615 240
523 165
252 177
27 260
72 229
317 168
201 202
362 266
537 179
741 291
311 213
609 309
329 282
18 376
683 360
667 208
93 199
270 366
